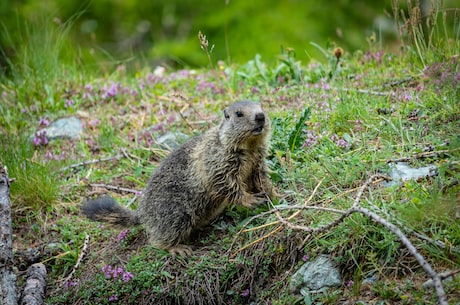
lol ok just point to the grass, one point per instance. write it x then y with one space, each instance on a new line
335 122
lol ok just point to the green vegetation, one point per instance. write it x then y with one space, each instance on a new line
336 119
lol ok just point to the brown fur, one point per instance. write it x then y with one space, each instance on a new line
194 184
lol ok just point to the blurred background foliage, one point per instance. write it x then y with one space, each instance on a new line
166 32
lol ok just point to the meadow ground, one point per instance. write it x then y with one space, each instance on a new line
336 122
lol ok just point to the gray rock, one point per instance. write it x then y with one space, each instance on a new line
171 140
315 275
70 127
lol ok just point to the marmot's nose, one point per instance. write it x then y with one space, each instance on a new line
260 118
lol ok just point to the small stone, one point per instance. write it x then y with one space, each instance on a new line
315 275
70 127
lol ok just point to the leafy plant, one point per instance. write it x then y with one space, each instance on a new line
297 134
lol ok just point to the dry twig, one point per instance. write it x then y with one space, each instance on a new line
113 187
80 258
85 163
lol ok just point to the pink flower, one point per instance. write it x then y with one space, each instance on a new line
68 103
40 138
127 276
122 235
43 122
107 269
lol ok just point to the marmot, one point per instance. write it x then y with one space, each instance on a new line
195 183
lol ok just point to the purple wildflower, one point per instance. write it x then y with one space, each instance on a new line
40 138
43 121
112 91
93 123
113 298
245 293
305 257
116 272
107 269
68 103
171 118
88 91
349 283
357 125
70 283
310 140
127 276
123 234
342 143
49 155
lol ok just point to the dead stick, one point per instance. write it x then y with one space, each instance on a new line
34 289
113 187
80 258
8 285
84 163
442 299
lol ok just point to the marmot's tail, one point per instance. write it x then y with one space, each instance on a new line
108 210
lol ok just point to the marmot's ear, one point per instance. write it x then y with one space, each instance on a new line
226 115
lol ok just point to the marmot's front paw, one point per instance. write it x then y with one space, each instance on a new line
254 200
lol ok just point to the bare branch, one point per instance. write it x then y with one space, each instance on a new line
85 163
113 187
80 258
34 289
8 295
407 243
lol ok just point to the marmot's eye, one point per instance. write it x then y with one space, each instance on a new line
239 114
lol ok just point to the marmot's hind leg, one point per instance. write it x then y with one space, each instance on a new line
172 234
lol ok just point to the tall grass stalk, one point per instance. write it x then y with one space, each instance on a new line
428 29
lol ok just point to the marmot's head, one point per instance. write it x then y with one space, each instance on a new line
245 123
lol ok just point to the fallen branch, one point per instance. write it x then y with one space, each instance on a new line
80 258
113 187
421 155
34 289
365 91
100 160
8 295
410 231
395 83
442 299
